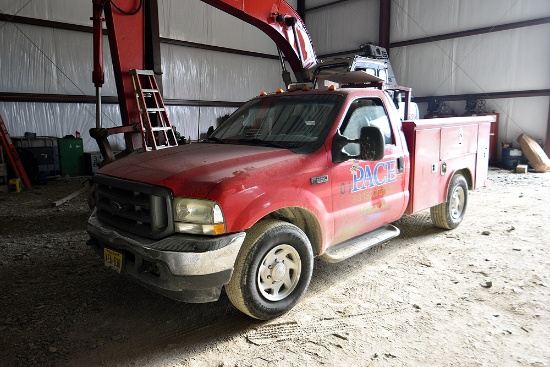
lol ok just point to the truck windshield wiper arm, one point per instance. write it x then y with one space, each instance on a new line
266 143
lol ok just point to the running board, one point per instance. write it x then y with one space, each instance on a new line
356 245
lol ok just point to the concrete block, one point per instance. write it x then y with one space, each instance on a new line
521 168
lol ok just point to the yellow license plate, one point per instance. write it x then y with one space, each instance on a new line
112 259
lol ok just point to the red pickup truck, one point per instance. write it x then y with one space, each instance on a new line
289 176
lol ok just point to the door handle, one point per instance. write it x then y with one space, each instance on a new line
400 164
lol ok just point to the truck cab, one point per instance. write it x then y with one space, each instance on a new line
289 176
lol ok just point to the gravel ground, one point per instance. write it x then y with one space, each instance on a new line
474 296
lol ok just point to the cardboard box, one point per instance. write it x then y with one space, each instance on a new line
533 151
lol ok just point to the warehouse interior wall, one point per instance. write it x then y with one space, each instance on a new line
503 61
48 61
344 26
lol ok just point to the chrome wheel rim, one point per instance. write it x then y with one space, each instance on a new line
279 272
457 202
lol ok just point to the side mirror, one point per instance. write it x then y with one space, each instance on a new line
371 146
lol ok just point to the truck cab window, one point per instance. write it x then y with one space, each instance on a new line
365 112
297 122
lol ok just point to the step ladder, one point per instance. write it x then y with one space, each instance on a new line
156 131
11 152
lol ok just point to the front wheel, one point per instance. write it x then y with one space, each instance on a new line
272 271
449 214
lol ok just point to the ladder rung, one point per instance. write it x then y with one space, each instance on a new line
155 110
161 128
150 90
142 72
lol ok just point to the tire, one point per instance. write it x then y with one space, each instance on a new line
449 215
272 271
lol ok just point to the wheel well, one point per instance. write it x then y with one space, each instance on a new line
302 219
467 175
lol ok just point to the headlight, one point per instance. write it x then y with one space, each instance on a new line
198 216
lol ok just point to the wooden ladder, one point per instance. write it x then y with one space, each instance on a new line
156 131
11 152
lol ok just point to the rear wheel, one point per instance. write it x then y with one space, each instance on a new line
272 271
449 214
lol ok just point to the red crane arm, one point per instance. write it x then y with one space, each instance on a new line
281 23
126 32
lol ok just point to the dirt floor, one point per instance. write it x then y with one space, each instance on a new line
475 296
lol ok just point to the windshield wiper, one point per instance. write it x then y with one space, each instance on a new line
264 143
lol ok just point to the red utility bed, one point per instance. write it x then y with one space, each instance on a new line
438 147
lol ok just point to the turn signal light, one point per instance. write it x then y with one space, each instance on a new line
219 228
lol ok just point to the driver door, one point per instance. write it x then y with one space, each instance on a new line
367 194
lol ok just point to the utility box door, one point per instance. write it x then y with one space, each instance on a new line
483 154
457 141
425 178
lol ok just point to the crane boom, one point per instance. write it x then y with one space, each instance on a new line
281 23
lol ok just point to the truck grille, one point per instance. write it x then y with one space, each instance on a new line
134 207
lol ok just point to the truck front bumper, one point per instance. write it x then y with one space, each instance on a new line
187 268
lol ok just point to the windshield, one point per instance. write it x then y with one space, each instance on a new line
296 122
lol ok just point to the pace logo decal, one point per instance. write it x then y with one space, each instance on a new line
366 178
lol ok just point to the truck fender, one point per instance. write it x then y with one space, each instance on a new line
464 172
284 201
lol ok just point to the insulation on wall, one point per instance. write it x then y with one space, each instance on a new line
504 61
186 20
484 64
191 73
195 21
65 11
476 64
47 61
344 27
412 19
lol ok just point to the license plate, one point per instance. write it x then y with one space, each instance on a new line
112 259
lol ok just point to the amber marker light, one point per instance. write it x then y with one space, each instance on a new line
263 94
332 87
219 228
279 90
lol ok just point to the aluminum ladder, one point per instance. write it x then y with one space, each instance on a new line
156 131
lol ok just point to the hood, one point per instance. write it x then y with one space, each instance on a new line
192 170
